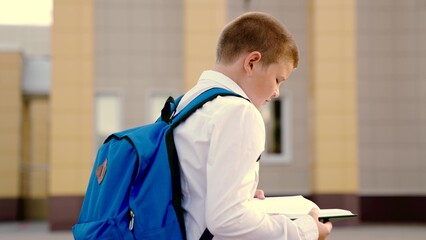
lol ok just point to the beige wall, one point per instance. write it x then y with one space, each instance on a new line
333 96
35 165
71 100
392 97
11 64
203 22
10 123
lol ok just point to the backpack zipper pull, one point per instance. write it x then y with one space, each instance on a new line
132 220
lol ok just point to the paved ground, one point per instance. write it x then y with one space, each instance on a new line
39 230
32 230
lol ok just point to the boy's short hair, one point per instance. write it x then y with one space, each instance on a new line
255 31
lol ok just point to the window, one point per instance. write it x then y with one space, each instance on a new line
277 126
108 112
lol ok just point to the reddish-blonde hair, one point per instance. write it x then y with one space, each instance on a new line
255 31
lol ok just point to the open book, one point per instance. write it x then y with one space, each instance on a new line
296 206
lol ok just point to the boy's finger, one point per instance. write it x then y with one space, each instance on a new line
329 226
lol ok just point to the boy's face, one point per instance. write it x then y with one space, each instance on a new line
265 81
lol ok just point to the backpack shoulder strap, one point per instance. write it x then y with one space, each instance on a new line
195 104
199 101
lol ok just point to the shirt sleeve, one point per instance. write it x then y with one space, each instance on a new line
237 139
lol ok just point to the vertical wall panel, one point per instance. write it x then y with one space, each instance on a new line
333 97
10 129
71 109
203 22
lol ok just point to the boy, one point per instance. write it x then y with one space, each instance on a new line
219 145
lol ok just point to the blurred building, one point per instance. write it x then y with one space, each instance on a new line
348 131
25 83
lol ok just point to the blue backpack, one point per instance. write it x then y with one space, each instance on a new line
134 190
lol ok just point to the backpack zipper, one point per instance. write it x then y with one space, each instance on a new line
132 220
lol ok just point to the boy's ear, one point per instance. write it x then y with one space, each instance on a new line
251 59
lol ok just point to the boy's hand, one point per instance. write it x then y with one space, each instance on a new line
259 194
324 229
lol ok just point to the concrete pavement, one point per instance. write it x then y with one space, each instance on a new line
39 230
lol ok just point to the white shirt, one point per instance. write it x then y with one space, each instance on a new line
218 147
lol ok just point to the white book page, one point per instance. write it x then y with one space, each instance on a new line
292 205
295 207
335 213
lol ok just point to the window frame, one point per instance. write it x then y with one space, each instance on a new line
285 157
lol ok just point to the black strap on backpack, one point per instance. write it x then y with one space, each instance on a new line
167 113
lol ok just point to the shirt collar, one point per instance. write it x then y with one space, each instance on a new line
217 79
210 79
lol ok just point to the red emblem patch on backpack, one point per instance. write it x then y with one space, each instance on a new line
101 170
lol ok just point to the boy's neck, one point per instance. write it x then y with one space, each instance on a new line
232 70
